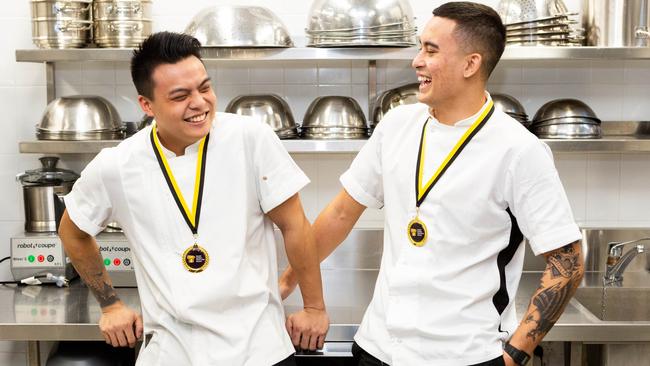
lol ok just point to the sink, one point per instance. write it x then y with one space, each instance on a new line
616 303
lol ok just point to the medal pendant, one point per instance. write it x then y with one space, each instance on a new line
417 232
195 258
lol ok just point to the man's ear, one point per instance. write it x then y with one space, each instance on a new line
473 63
145 104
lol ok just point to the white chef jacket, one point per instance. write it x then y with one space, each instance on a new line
450 302
231 313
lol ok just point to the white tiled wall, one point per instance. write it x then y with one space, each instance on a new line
604 189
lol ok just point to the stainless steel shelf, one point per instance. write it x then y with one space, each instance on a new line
605 145
65 147
306 53
95 146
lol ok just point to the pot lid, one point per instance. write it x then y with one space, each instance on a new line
48 174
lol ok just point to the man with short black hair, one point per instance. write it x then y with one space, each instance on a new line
461 184
197 194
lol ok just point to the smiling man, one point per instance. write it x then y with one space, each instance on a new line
461 184
197 194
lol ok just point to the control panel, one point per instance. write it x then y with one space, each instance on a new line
118 258
37 254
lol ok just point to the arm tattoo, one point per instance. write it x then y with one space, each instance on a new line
94 275
550 304
103 291
563 262
561 278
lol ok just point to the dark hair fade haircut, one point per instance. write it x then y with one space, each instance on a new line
160 48
478 29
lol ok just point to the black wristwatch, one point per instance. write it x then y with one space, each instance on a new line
519 356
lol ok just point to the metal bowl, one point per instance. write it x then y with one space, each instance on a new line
568 121
405 94
508 104
238 26
568 131
269 108
80 114
354 14
334 111
561 108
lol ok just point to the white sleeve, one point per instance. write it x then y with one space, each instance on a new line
538 201
364 179
277 176
88 204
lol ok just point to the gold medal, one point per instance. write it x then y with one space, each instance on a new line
195 258
417 232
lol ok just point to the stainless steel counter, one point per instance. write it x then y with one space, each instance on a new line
51 313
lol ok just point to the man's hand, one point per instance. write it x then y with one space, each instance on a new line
307 328
287 283
120 325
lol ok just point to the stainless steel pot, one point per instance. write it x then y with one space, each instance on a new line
53 33
618 23
121 33
61 9
121 10
43 191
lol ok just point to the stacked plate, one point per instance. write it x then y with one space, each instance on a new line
559 30
566 118
334 117
350 23
512 107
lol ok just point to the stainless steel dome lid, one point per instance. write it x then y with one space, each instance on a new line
238 26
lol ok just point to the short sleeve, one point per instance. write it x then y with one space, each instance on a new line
364 179
538 201
88 204
278 177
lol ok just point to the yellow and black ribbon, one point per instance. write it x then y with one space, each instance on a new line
421 191
191 216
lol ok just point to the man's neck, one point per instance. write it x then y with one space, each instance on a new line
457 109
176 147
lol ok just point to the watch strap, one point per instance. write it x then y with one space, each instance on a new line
519 356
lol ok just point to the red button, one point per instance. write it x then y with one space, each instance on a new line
117 261
41 258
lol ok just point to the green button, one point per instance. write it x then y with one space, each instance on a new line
31 258
107 262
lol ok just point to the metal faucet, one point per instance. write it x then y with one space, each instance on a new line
618 262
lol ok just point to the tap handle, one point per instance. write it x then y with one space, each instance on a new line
615 250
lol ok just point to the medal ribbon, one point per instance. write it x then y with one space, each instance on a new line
191 217
421 191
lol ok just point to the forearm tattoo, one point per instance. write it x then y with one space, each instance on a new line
93 273
561 278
